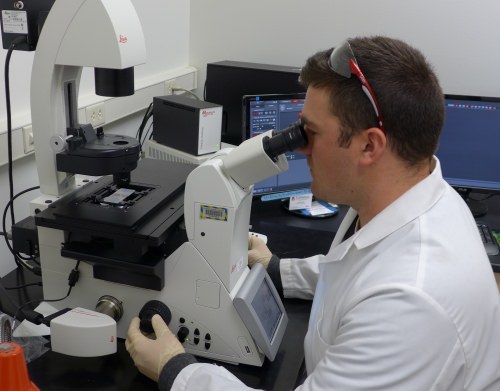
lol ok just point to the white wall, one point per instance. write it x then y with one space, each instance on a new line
461 38
166 29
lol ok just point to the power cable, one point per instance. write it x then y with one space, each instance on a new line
19 262
12 46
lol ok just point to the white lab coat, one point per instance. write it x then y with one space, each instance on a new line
408 302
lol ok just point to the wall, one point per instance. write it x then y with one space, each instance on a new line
460 37
166 29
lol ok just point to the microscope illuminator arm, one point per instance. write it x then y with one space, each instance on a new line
94 33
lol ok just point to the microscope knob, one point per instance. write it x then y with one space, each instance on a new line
182 334
151 308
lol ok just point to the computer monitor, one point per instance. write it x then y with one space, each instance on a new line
277 111
469 146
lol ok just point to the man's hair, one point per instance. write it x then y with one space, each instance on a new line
406 88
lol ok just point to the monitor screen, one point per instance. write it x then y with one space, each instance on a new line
266 112
469 142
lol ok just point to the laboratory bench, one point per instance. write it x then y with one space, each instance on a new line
288 236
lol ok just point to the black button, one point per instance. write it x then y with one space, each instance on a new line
182 334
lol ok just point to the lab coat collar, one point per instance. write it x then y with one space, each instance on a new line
406 208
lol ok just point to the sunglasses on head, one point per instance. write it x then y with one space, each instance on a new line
343 62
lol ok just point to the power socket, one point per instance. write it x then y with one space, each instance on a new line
169 87
28 141
95 114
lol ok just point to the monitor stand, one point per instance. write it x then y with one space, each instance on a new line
478 208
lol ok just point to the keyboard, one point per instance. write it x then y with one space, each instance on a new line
489 241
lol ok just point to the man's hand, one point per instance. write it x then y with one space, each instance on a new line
258 252
151 355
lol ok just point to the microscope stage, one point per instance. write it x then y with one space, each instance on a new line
145 208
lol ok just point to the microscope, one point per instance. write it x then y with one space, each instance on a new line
147 236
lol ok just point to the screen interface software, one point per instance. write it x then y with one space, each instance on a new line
469 143
267 112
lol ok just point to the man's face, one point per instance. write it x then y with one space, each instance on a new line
332 167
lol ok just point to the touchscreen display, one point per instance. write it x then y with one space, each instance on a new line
267 309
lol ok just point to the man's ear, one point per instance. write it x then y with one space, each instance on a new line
372 143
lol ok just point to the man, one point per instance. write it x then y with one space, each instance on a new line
405 299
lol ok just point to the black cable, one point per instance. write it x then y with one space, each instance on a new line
148 132
72 278
145 118
11 288
12 46
19 262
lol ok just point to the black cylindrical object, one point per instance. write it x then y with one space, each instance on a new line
151 308
114 82
285 140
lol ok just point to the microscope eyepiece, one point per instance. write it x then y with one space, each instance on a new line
285 140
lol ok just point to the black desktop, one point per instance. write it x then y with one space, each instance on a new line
228 81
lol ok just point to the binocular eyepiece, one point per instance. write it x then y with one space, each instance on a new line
285 140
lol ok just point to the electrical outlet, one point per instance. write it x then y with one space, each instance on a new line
28 141
95 114
169 87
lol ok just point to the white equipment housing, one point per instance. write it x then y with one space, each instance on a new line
204 274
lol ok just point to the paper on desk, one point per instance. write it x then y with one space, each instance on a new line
28 329
318 209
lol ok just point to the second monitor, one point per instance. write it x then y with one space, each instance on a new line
277 111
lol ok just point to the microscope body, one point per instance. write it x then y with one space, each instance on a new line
201 277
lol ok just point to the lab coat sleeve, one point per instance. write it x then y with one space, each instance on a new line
299 276
207 377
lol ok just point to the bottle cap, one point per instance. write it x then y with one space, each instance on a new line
13 371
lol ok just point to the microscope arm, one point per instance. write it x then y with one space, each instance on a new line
77 33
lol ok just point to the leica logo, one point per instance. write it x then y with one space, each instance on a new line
207 113
123 39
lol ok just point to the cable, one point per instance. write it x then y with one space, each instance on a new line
148 114
33 316
148 132
186 91
17 259
11 288
12 46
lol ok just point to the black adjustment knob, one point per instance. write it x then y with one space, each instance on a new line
182 334
151 308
